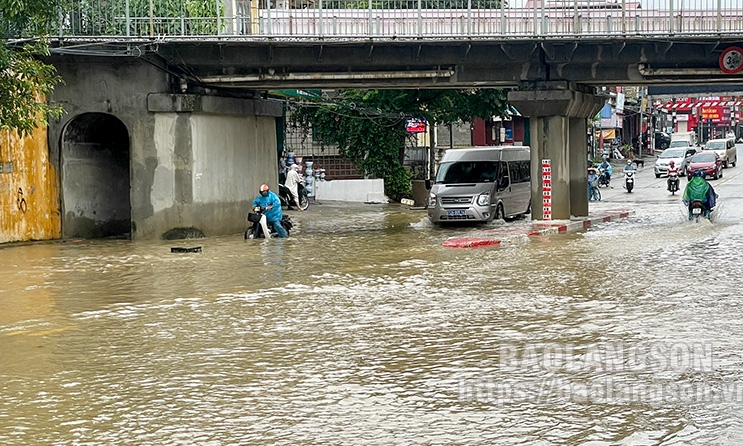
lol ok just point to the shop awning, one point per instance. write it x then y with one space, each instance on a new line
686 105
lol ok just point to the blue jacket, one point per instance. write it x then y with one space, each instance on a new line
274 214
605 166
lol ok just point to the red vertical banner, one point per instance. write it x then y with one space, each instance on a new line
546 189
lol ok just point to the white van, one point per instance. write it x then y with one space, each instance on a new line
725 148
479 184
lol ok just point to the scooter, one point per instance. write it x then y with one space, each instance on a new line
673 183
260 226
629 180
698 210
287 200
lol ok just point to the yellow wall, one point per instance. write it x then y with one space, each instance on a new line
29 194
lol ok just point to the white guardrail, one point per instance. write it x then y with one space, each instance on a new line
406 19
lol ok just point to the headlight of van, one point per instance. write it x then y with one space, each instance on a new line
432 200
483 199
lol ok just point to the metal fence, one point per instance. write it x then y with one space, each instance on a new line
402 18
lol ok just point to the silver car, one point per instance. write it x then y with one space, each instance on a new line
677 155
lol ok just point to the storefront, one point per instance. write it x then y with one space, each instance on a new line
711 117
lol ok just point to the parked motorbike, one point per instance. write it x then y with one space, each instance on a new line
258 220
629 180
287 200
673 183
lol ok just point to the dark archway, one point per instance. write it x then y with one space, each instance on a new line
95 172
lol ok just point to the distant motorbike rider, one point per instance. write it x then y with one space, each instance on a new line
629 166
673 174
293 179
605 169
271 204
698 189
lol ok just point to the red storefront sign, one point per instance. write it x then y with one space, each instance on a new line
716 114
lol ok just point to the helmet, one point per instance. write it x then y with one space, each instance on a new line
264 190
629 162
698 173
671 163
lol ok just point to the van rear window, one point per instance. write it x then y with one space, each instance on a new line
467 172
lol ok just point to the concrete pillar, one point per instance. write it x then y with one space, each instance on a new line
557 112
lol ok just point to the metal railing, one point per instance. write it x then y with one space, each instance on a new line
402 18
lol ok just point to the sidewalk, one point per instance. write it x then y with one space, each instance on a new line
528 229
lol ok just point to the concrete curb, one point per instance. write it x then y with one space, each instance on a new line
495 237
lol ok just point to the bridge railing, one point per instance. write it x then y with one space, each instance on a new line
402 18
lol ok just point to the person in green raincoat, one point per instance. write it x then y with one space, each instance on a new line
698 189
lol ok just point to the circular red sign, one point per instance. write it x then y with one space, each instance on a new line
731 60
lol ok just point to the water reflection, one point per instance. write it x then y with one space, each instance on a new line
362 329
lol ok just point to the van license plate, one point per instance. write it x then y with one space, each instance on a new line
457 212
696 211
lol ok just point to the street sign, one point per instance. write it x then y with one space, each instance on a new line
731 60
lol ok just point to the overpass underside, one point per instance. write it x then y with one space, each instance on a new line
554 82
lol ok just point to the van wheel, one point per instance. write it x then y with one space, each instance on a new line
499 213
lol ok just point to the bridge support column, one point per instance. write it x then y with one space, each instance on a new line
558 113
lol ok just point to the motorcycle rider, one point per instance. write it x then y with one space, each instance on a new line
593 184
605 169
698 189
292 181
673 173
629 166
271 204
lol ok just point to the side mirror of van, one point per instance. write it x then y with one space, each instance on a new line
428 184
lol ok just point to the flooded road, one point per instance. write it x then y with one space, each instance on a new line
363 329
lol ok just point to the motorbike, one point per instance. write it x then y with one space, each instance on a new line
604 178
697 210
260 225
673 183
629 180
287 200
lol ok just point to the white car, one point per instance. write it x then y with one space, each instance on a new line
677 155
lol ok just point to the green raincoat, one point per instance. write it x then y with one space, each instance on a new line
696 189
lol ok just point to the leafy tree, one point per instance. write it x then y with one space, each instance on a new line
25 81
184 17
369 126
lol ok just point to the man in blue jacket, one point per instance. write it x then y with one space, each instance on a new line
272 205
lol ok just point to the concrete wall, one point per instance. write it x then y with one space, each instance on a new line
29 200
363 191
194 160
208 176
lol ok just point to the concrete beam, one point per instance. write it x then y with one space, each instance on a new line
191 103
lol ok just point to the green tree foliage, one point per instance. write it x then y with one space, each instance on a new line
24 79
167 17
369 126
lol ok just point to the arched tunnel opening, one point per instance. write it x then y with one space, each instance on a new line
95 171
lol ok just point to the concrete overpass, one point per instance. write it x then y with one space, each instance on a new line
188 110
